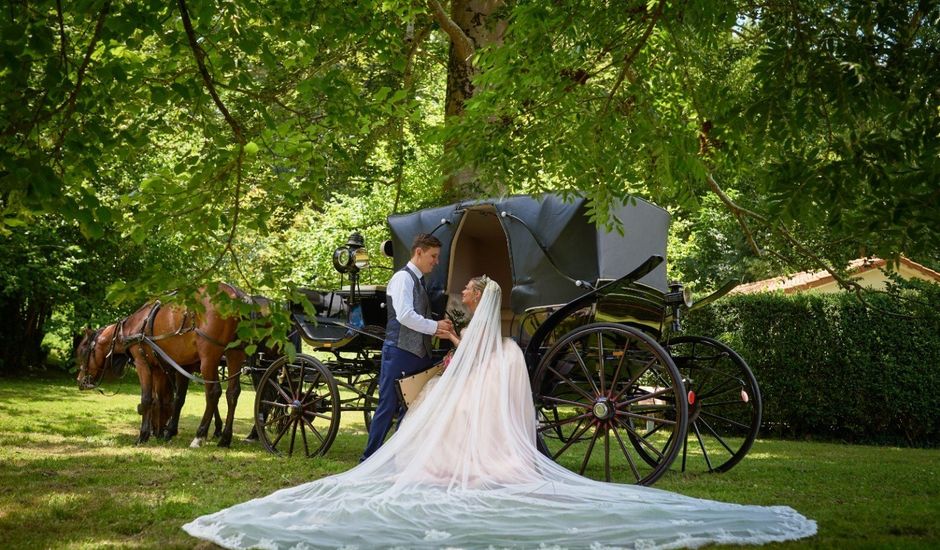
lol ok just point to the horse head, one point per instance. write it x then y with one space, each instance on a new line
97 359
89 368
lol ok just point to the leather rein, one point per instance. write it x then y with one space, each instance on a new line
151 340
95 384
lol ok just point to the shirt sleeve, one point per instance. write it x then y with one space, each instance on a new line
401 290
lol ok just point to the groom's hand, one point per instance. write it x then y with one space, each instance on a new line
445 326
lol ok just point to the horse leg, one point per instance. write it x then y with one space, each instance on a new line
209 368
144 409
234 358
180 388
218 421
163 397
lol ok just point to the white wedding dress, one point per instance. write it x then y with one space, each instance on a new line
463 471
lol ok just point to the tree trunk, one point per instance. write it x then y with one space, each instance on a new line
23 332
471 25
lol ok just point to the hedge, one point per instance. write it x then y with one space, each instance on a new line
832 367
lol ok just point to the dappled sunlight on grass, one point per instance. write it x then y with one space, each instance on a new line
88 543
763 456
69 463
51 448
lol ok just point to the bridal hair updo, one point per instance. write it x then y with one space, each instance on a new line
479 283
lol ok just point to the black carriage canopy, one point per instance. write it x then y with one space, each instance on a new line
540 247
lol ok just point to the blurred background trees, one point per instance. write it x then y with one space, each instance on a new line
149 145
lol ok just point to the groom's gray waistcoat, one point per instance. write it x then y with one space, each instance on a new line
402 336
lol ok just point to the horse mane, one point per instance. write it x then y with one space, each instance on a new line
239 293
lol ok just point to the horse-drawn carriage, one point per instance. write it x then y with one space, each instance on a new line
619 395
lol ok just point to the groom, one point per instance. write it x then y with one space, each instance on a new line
407 347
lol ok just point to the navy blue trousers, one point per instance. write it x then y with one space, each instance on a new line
396 363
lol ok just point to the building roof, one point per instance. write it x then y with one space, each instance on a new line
806 280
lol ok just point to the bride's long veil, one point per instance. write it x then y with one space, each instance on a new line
463 471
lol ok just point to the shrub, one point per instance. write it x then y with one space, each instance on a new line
832 366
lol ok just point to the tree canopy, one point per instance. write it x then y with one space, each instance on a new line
225 131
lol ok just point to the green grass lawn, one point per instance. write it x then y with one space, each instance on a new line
71 476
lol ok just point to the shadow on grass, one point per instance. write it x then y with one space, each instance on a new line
54 495
111 498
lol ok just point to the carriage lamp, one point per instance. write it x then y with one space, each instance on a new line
678 295
361 259
352 256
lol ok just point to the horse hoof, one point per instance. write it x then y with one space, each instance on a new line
197 442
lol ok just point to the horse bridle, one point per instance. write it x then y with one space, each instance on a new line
145 340
94 384
87 383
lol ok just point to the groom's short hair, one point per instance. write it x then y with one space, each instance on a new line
424 241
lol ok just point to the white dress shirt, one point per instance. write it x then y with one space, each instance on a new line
401 290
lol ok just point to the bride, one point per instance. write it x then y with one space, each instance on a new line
463 471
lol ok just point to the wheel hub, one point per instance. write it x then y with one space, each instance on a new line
603 409
296 409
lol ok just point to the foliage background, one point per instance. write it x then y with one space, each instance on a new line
832 367
149 145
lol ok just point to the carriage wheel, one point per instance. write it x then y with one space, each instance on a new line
370 400
297 407
724 403
603 390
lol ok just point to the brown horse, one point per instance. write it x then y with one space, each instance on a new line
103 356
191 339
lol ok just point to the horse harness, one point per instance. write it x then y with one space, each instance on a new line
146 336
108 358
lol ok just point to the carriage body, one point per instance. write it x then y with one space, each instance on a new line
542 250
590 309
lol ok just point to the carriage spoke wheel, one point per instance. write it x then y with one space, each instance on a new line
608 395
370 399
724 403
297 407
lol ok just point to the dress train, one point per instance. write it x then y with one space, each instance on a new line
463 471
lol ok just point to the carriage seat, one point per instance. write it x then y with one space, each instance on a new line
328 304
506 316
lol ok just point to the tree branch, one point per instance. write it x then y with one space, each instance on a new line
848 284
416 41
462 43
739 212
69 104
62 39
628 59
729 203
407 84
200 56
